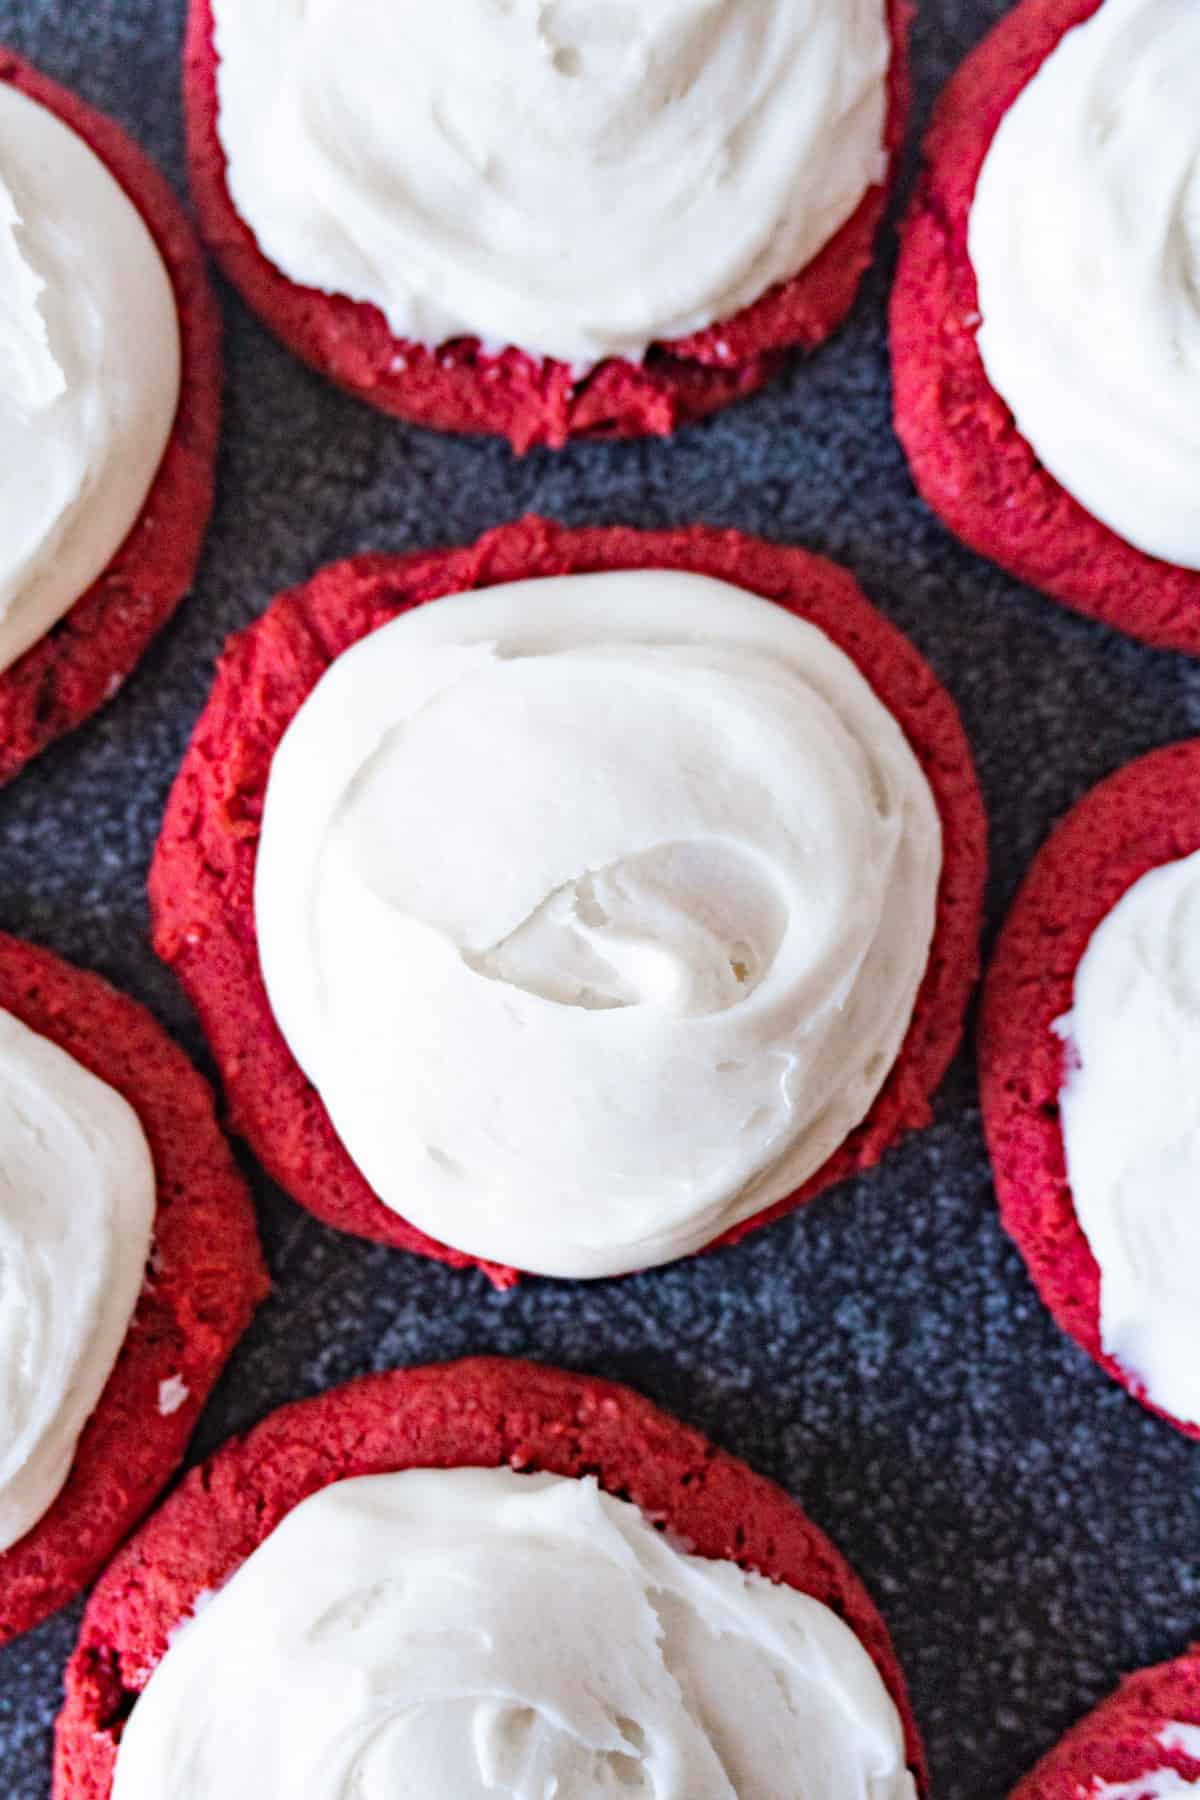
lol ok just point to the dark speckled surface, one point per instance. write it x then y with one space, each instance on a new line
1029 1532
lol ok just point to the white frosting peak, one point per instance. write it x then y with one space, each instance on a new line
1130 1109
596 910
76 1209
1085 238
465 1633
89 368
580 178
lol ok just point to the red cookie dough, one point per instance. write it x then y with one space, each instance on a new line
202 877
457 387
487 1412
83 659
205 1278
1118 1743
1146 814
968 460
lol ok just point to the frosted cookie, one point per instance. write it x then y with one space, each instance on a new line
590 916
482 1578
1046 312
131 1268
110 381
546 221
1088 1034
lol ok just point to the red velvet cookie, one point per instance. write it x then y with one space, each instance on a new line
482 1413
1121 1742
968 460
204 1280
457 387
83 659
1146 814
202 877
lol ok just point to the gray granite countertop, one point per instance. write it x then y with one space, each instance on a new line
1029 1532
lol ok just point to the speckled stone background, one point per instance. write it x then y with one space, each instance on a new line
1029 1532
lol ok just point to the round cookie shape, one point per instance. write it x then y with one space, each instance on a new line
480 1413
203 876
461 385
1130 824
968 459
1149 1728
204 1279
83 659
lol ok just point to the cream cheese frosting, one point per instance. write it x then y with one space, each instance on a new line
1085 239
595 908
89 368
1158 1784
580 178
76 1209
1130 1112
456 1633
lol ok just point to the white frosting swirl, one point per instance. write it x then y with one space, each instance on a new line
580 178
89 368
595 909
76 1211
1158 1784
463 1633
1130 1109
1085 238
